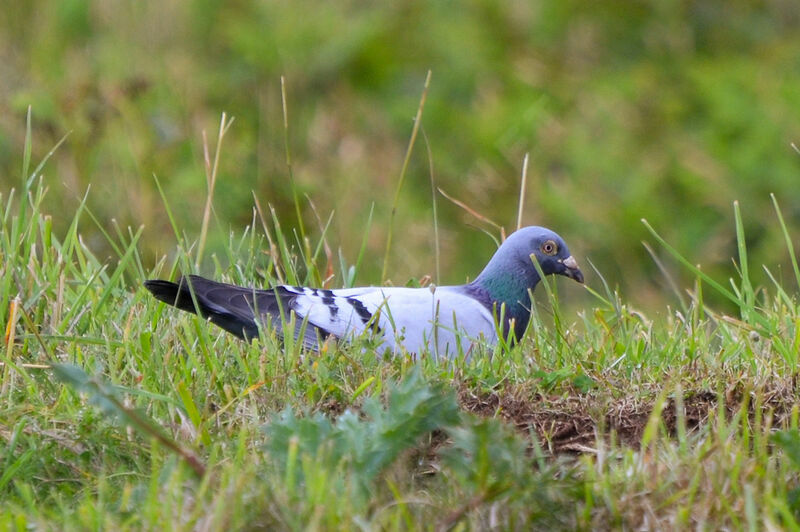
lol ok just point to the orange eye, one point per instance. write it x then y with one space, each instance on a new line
549 248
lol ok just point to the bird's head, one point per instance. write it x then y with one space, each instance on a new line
545 247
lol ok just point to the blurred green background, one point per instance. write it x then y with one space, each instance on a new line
667 110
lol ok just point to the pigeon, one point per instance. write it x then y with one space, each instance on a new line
443 320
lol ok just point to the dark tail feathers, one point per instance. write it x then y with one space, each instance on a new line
228 306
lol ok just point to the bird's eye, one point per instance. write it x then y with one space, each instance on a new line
549 248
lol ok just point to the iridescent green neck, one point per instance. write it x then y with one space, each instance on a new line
508 285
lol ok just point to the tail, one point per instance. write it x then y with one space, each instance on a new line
233 308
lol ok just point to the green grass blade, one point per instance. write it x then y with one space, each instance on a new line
788 239
406 160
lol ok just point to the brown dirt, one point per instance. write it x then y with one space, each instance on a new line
573 424
332 407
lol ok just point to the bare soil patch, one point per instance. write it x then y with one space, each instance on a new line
574 423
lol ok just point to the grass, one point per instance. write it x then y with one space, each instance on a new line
117 412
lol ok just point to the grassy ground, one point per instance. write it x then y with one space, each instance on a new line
118 412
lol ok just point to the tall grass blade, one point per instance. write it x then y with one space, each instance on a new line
26 163
211 182
436 248
788 239
116 277
738 301
522 186
362 250
477 215
747 298
670 281
288 152
406 160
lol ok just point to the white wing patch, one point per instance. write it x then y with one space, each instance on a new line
442 320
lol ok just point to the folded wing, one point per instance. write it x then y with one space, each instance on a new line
445 320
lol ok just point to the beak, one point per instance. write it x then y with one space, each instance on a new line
572 271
